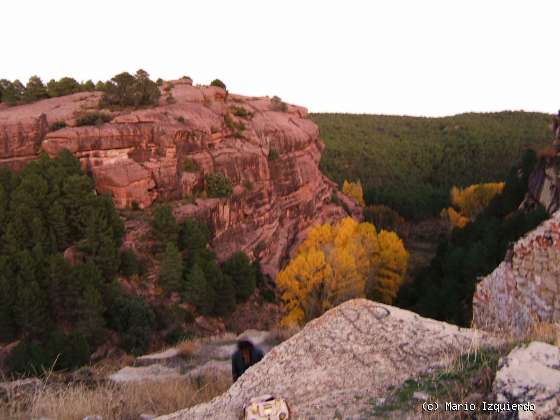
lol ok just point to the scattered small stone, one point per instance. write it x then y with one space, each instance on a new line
422 396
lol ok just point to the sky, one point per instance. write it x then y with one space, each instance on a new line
426 58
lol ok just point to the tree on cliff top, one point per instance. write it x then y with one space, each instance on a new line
127 90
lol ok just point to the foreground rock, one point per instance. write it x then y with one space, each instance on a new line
531 374
342 360
270 155
524 290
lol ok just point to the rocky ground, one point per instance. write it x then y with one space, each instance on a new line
344 361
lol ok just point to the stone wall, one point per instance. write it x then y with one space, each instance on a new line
523 290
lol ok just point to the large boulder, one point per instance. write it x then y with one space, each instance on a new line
530 375
342 360
524 289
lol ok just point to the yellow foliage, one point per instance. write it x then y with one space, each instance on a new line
337 263
470 202
355 191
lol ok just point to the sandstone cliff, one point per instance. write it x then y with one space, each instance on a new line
270 154
523 290
343 361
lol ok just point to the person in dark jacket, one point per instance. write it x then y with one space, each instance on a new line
244 357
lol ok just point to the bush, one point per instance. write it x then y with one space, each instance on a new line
181 119
278 104
241 112
190 165
218 185
58 351
273 155
93 118
383 217
133 319
129 263
57 125
248 185
218 83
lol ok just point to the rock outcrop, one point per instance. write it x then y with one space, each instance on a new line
530 374
524 289
270 156
342 361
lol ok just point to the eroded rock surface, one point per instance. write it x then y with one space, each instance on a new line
524 289
165 152
343 360
531 374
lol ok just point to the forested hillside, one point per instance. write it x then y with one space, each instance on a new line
410 163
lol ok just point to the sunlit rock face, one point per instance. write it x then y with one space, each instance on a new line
270 155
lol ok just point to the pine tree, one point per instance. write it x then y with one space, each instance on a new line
171 271
225 297
196 289
90 322
31 311
240 270
164 224
7 304
35 90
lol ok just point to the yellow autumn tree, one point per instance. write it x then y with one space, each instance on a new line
469 202
355 191
341 262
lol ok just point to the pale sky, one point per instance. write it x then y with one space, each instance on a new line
417 57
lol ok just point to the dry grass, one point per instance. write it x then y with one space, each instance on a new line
112 401
546 332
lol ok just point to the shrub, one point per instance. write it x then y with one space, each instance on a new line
278 104
383 217
354 190
135 206
58 351
241 112
133 319
218 83
218 185
129 263
57 125
273 155
93 118
181 119
190 165
248 185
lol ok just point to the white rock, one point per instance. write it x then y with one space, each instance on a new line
531 374
147 373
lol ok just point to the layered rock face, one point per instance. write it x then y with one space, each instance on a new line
164 153
341 362
524 289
